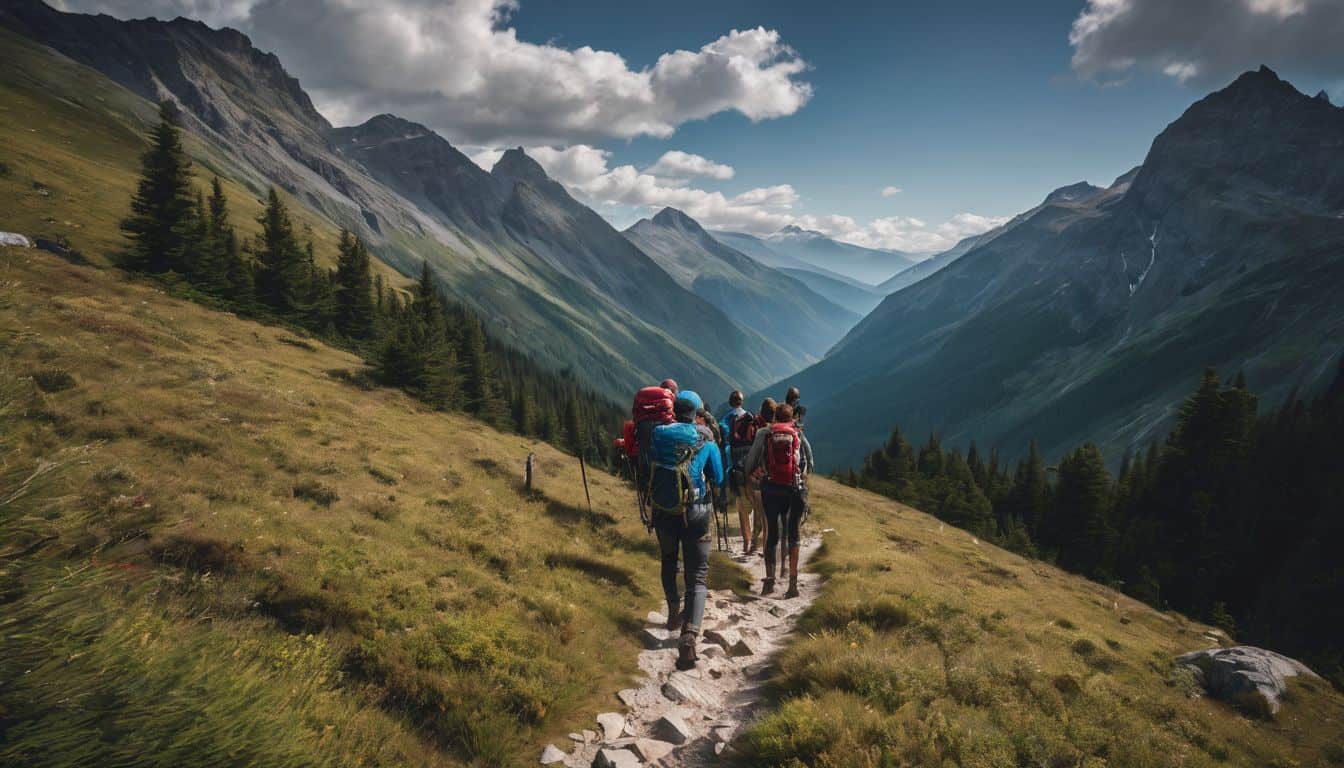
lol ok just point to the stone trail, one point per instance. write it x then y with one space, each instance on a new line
676 719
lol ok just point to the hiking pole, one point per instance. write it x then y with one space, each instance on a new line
584 472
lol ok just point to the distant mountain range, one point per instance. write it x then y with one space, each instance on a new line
800 323
867 265
848 292
1091 316
550 275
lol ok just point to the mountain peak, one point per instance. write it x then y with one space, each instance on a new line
516 165
1073 193
671 217
1323 96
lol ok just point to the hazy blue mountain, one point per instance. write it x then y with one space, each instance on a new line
867 265
782 309
1091 316
854 295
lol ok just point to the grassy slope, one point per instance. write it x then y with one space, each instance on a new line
428 613
928 647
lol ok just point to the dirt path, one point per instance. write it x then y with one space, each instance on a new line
684 719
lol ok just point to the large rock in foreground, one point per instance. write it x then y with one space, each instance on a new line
1233 674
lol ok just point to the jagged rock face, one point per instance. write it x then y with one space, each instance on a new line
1090 316
1244 670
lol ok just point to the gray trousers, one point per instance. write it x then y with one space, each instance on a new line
689 539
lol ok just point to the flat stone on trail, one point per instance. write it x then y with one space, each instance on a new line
731 641
651 750
552 755
654 638
616 758
655 617
579 737
628 697
589 735
612 725
671 728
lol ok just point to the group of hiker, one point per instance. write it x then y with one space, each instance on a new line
686 463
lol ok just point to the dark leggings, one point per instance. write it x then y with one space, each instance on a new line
783 508
690 538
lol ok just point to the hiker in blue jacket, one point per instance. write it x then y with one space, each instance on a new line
688 471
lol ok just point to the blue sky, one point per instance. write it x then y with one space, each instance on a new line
790 112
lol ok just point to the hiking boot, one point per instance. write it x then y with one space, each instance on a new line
767 586
793 590
686 655
673 619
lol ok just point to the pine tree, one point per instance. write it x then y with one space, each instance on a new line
354 289
931 458
1081 507
480 388
977 466
283 266
1027 500
162 210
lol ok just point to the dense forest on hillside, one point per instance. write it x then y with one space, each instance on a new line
417 340
1234 519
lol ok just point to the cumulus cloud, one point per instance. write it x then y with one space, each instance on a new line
890 191
457 66
1207 42
684 165
587 173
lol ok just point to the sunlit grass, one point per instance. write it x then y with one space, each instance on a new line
928 647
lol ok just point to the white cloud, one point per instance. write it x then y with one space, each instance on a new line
891 191
1207 42
458 67
585 171
684 165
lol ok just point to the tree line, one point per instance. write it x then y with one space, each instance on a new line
416 340
1234 518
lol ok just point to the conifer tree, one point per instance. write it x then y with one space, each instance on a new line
1081 511
283 267
480 388
354 289
162 209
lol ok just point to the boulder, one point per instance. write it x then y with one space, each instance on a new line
1233 673
14 240
654 638
616 758
651 750
672 729
552 755
613 725
731 641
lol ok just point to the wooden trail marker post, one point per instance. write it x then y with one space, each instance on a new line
584 472
527 477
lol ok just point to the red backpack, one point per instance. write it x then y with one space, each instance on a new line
743 431
628 442
781 455
653 406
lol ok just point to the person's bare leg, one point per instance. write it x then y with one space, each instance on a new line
744 519
758 523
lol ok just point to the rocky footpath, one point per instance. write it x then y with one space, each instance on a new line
682 719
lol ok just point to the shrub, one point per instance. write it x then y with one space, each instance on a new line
312 490
53 380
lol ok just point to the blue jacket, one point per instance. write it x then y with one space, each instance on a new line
707 461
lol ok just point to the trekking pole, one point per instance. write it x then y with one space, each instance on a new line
584 473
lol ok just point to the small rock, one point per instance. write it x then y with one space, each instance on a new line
616 758
671 728
718 748
612 725
579 737
724 734
630 729
552 755
722 604
712 652
14 240
777 610
651 750
715 672
628 697
654 638
589 736
657 618
731 641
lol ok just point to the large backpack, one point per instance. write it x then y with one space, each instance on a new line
653 406
671 488
782 449
742 433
